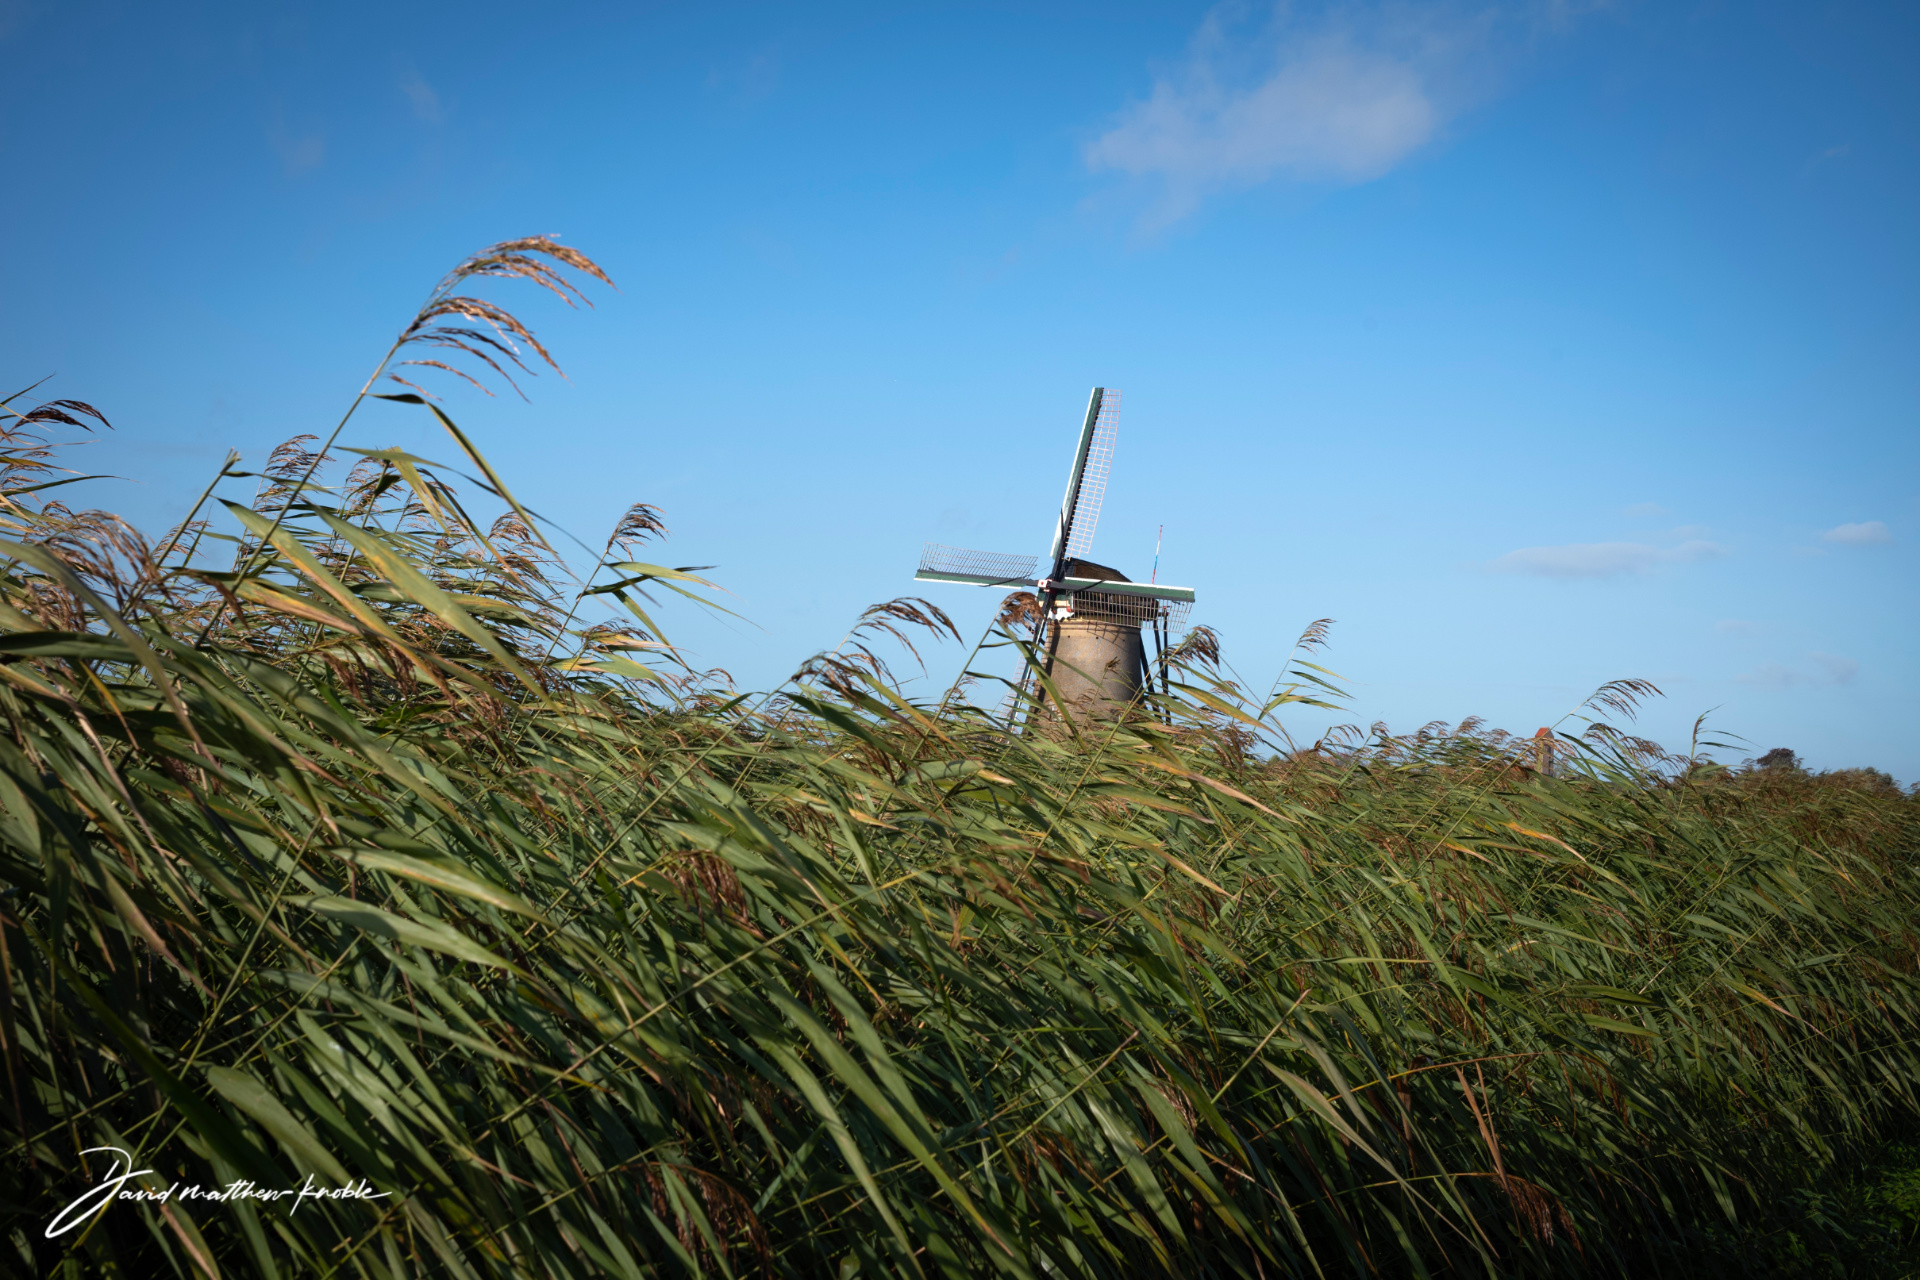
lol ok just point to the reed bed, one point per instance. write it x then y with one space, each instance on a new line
386 852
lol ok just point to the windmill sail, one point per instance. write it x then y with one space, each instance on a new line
1069 586
1074 513
1093 476
939 563
1055 578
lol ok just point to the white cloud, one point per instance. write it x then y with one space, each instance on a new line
1737 627
1341 102
1833 670
1331 112
1646 511
1601 559
1865 534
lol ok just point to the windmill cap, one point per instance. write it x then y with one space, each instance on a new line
1095 572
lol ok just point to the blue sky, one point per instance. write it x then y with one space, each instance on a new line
1538 344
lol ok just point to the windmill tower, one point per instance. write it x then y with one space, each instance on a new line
1089 639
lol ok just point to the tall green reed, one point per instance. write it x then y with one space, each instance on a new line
366 857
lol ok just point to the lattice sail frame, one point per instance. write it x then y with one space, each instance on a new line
1093 476
994 566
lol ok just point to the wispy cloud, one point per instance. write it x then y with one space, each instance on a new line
1826 156
1646 511
1341 99
1579 560
1737 627
1865 534
1836 669
747 81
1829 669
299 150
426 103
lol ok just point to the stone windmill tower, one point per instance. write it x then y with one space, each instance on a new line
1091 616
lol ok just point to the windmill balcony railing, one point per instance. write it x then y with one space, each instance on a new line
1126 610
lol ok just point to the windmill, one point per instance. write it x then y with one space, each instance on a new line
1088 639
